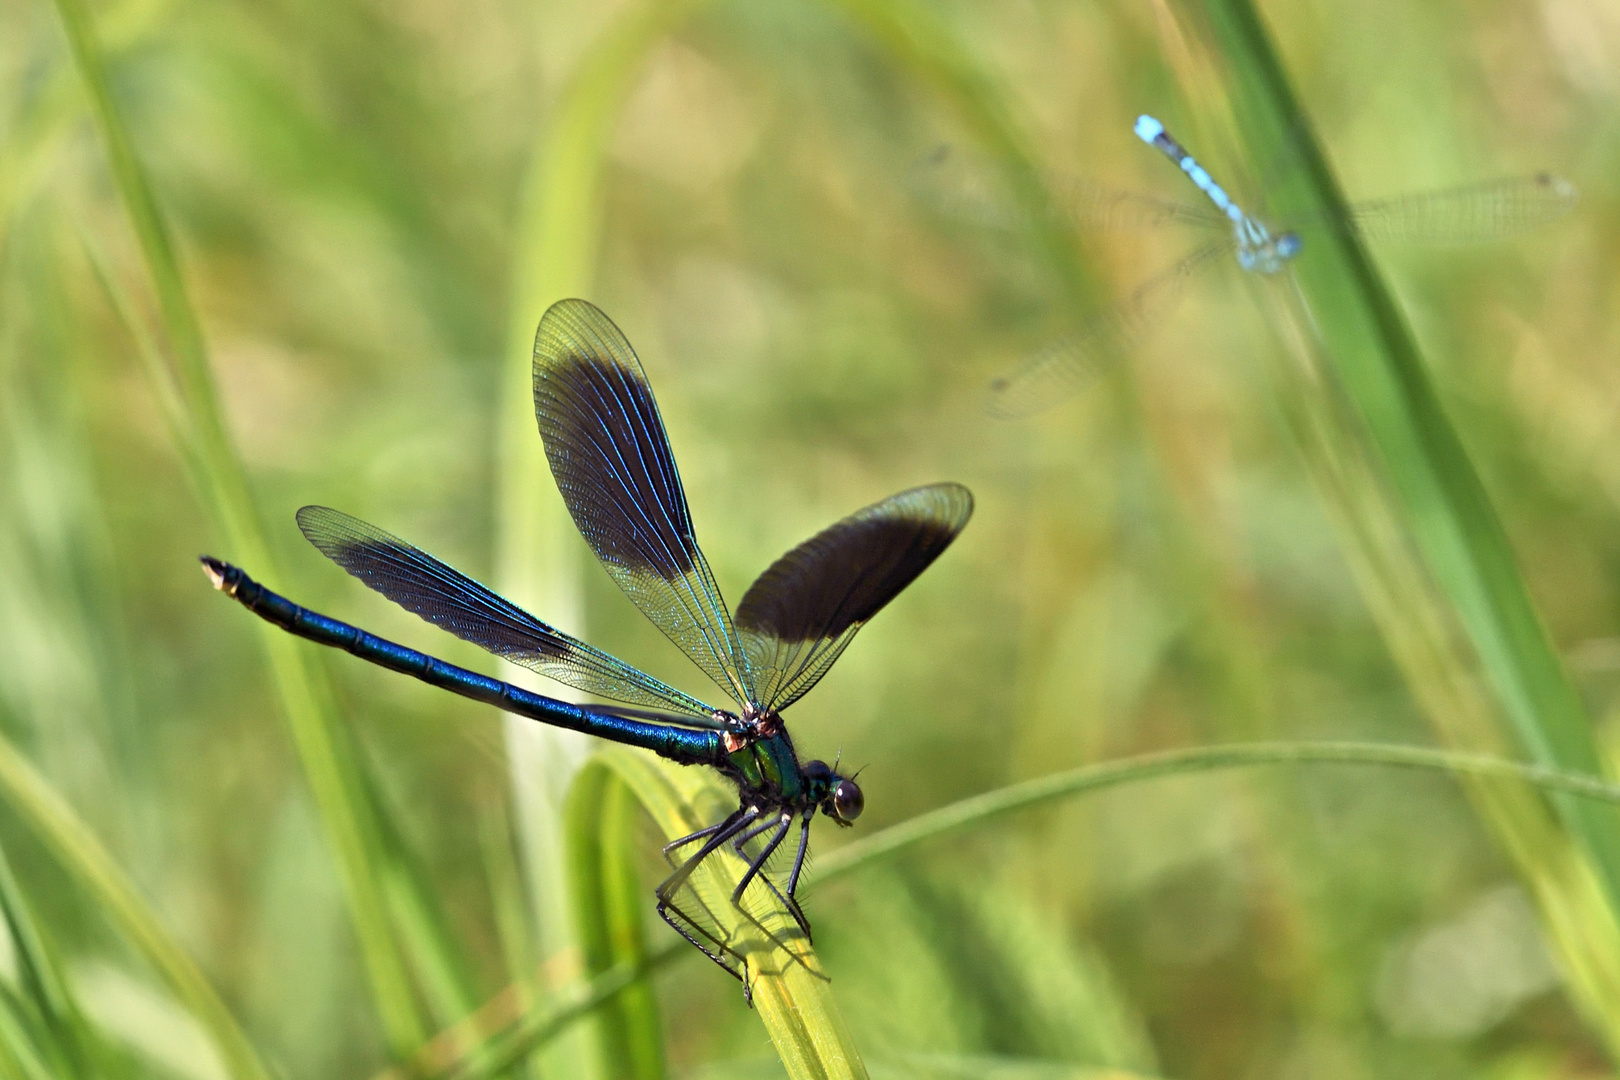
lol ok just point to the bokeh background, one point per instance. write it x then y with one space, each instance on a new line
352 189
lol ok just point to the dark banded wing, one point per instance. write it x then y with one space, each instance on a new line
801 613
611 459
449 599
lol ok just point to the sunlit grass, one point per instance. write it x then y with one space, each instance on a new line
256 257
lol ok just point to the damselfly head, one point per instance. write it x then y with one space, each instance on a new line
839 797
847 802
1289 244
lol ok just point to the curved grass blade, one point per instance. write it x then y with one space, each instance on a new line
982 809
792 998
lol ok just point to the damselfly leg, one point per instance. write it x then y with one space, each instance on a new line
701 932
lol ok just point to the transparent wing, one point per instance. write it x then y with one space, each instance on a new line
1059 369
1463 215
612 462
801 613
451 600
972 189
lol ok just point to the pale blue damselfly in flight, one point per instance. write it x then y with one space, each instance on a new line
1462 215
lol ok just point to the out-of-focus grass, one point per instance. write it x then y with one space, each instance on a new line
1153 565
373 874
1350 338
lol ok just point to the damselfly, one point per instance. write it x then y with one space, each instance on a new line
1460 215
612 461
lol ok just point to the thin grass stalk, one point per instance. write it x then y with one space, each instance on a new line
510 907
982 809
80 854
480 1059
327 757
1418 492
1449 512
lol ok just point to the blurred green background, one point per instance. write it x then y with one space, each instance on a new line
358 192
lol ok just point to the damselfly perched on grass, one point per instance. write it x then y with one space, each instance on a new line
1461 215
612 461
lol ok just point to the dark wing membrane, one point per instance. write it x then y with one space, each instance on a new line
612 462
801 613
449 599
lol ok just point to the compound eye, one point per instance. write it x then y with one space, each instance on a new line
816 771
848 802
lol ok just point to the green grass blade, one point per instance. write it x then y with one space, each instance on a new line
83 857
793 999
509 905
1449 512
20 1055
69 1042
982 809
441 973
608 902
328 759
1418 490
